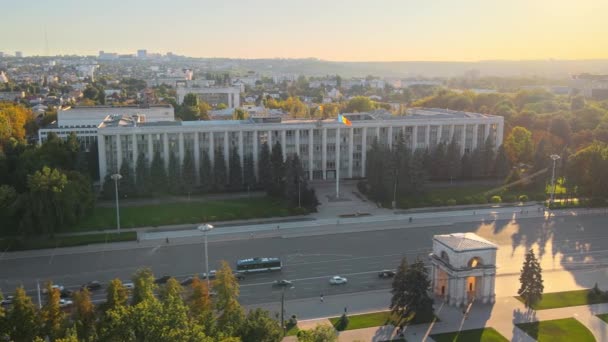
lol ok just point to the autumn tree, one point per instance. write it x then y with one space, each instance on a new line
22 320
84 315
518 145
51 313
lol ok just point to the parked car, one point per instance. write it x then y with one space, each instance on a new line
386 274
8 300
162 280
337 280
282 282
92 285
65 303
128 286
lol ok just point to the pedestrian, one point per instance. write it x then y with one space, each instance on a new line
278 227
321 298
167 239
410 219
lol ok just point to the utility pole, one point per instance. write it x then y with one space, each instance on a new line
116 177
205 228
555 157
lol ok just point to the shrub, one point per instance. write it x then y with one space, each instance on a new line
451 201
437 202
467 200
480 199
523 198
495 199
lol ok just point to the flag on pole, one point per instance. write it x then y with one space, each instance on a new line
344 120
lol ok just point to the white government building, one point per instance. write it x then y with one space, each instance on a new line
320 144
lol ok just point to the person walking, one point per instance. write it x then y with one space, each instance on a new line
321 298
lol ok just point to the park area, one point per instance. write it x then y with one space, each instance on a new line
568 298
558 330
373 319
474 335
184 213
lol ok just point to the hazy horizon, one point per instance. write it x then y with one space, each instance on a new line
340 31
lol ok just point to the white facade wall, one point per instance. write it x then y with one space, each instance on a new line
321 164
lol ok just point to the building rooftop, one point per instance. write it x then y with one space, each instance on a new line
460 242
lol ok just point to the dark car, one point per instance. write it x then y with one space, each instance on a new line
162 280
282 282
239 276
187 281
92 285
8 300
386 274
212 275
66 293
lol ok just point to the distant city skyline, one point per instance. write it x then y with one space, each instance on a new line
340 30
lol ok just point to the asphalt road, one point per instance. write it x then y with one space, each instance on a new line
309 261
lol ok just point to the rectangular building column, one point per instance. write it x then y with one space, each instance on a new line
350 151
166 149
180 146
475 136
337 162
197 157
118 153
255 153
389 138
439 130
487 133
297 137
451 133
427 137
230 104
101 148
135 151
414 138
463 139
378 134
499 132
269 138
310 154
324 153
284 143
211 148
363 151
227 152
241 150
150 149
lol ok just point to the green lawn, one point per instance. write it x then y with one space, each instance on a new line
567 329
293 331
181 213
374 319
603 317
12 244
482 335
565 299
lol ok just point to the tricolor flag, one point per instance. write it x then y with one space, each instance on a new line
344 120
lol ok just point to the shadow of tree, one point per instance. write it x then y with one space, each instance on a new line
522 317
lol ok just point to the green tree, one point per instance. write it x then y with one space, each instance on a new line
191 100
410 291
239 114
467 166
231 313
260 327
248 172
127 182
531 280
453 159
142 175
22 320
265 168
219 170
518 145
321 333
359 104
158 175
116 295
144 286
488 158
51 314
502 166
235 171
188 181
84 315
46 187
277 163
206 173
175 313
3 323
174 175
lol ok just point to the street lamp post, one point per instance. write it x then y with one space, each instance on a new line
205 228
555 157
116 177
283 308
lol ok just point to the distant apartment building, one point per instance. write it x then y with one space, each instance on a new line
230 96
11 95
590 86
142 53
322 145
83 120
18 54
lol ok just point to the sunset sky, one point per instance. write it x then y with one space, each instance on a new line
341 30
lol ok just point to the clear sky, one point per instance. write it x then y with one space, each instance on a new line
344 30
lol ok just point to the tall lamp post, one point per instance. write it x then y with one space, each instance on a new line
205 228
283 307
116 177
555 157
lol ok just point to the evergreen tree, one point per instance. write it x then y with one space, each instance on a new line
235 171
295 182
174 175
22 320
127 182
378 172
454 164
404 179
206 173
439 162
188 182
249 180
531 280
466 168
277 188
265 168
411 292
418 176
502 166
477 164
488 158
541 156
219 170
158 175
142 175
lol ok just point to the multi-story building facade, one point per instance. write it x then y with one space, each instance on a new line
322 145
230 96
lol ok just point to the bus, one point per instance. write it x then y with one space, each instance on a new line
258 265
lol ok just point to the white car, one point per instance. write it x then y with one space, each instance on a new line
65 303
337 280
58 287
128 286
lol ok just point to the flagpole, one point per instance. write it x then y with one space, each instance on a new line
338 175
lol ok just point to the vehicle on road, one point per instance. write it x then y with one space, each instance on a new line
258 265
65 303
162 280
92 285
239 276
187 281
65 293
8 300
386 274
337 280
212 274
282 282
128 286
55 286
